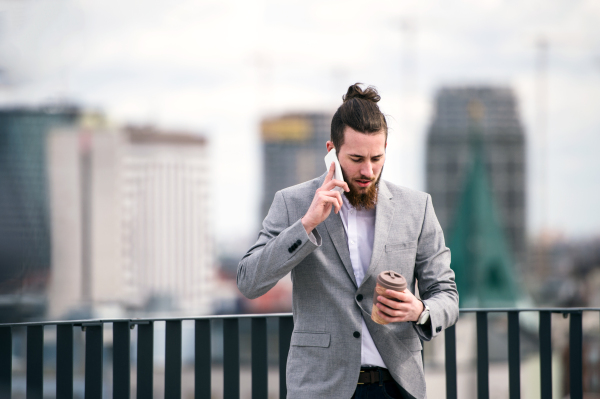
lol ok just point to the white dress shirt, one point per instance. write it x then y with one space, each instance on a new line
360 229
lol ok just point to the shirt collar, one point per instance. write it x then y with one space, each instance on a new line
346 206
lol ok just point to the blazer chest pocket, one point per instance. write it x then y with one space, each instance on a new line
304 338
400 246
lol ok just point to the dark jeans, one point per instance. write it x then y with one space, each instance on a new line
389 390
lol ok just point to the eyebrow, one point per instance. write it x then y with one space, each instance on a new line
362 156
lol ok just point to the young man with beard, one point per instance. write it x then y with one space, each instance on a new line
336 350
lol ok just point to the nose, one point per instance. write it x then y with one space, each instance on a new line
367 169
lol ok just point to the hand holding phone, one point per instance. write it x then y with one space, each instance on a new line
326 197
337 174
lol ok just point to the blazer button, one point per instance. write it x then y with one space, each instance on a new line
356 334
359 297
298 242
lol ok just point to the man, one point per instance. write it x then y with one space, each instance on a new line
336 350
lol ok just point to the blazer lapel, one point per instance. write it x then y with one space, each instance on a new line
384 215
336 231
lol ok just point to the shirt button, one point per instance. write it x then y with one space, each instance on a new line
356 334
359 297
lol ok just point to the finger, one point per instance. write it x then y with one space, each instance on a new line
404 296
401 312
332 194
335 183
329 174
339 198
384 314
387 311
390 303
337 202
399 306
329 198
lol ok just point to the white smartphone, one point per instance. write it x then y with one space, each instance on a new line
337 174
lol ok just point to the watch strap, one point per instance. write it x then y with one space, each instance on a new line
424 316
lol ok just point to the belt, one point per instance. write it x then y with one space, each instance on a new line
371 375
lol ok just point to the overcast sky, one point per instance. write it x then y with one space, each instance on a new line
217 67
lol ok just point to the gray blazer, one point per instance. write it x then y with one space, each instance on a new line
324 357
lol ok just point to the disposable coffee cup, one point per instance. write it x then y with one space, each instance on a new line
388 280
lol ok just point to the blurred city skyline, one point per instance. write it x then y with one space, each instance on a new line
179 120
218 68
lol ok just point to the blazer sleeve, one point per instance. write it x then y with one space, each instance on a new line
437 287
279 248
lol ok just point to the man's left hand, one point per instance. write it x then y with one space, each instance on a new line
408 310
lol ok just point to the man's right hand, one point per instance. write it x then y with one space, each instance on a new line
324 200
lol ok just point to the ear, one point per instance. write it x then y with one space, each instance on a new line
330 146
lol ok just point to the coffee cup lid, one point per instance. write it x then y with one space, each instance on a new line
392 280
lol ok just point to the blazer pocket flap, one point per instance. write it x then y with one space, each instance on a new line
400 246
413 344
300 338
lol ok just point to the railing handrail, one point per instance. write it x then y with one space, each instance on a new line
87 322
551 310
139 320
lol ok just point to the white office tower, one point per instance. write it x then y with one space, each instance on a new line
130 221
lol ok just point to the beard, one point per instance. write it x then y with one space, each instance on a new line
363 199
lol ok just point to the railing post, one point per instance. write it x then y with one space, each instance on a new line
575 355
35 362
514 355
121 360
286 327
231 359
260 367
483 391
145 360
450 346
5 362
202 359
93 360
173 359
545 354
64 361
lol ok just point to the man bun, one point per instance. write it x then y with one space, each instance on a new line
360 112
355 91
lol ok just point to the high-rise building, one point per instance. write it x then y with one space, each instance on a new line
293 151
448 157
24 213
481 260
130 220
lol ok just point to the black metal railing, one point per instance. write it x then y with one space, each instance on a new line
121 328
514 358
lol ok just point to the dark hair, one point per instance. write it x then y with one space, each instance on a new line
359 111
